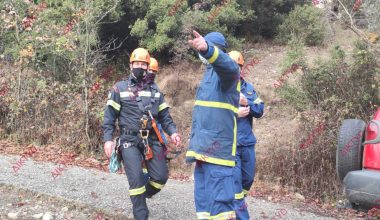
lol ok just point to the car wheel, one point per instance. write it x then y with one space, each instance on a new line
349 152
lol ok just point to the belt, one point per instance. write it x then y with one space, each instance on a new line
152 135
130 132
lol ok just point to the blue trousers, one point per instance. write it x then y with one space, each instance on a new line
214 191
244 173
142 186
248 165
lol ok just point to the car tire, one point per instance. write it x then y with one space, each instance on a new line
349 153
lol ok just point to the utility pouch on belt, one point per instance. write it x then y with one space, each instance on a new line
115 160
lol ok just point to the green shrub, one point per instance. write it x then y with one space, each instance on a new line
306 23
55 47
293 95
331 90
340 87
269 15
166 25
337 84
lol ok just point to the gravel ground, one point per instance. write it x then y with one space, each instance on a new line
94 190
17 203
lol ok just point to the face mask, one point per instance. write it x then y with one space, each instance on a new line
150 77
138 73
204 61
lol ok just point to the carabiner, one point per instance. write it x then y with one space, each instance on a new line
144 134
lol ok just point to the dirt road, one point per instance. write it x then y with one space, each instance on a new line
79 193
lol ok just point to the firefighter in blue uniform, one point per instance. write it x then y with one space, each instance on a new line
135 104
214 124
250 106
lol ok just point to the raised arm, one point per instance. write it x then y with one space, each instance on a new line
226 68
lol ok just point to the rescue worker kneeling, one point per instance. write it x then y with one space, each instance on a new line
135 104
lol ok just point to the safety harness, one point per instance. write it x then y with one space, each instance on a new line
146 122
145 125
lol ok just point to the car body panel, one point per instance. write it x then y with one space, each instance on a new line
371 154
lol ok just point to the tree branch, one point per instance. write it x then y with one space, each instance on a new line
345 9
356 30
109 11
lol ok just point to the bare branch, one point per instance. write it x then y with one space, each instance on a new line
107 12
111 45
345 9
355 29
108 22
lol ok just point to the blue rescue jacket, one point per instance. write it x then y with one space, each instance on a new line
123 105
245 124
214 128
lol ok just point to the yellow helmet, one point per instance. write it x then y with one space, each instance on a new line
153 65
140 54
237 56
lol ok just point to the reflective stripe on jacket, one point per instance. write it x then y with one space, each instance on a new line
122 104
214 128
256 110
